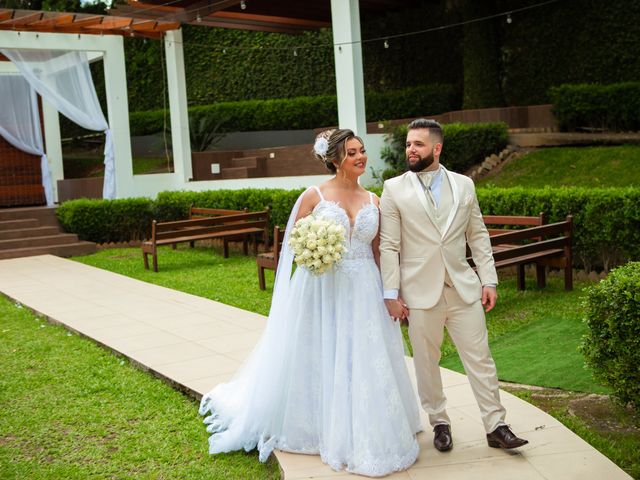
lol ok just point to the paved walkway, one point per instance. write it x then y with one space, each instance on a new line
195 343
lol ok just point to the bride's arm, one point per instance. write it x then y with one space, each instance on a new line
309 201
375 244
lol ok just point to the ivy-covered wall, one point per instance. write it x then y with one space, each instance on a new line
569 41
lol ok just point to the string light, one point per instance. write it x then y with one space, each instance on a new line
295 52
198 18
385 39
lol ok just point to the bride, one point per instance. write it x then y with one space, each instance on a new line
328 375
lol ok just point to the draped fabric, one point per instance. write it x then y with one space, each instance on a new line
63 79
20 123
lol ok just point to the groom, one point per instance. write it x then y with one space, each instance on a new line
429 214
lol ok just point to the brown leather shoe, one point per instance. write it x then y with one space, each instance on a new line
503 437
442 438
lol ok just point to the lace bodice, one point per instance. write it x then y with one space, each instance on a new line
360 234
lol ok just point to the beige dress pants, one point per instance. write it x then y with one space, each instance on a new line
467 328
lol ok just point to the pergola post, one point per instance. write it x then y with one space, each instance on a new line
53 145
345 18
178 105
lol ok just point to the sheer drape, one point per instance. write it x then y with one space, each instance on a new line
63 78
20 123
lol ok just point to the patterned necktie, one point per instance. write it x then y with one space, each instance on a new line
426 179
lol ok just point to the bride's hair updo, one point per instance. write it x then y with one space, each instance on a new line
330 147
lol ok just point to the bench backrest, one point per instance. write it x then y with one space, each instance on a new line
511 221
210 225
200 212
553 236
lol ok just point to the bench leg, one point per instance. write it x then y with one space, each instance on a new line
541 275
225 248
255 245
261 278
192 244
174 246
155 262
520 280
245 246
146 260
568 277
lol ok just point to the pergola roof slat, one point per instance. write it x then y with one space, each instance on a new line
63 22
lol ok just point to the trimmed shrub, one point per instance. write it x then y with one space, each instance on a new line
305 112
104 221
607 107
464 146
600 241
606 221
612 345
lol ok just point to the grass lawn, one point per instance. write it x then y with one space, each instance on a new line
72 410
130 424
534 337
571 166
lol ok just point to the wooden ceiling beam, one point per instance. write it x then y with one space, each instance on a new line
19 21
52 21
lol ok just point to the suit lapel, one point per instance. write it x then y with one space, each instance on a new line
422 197
456 200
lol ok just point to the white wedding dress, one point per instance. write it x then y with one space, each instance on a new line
328 376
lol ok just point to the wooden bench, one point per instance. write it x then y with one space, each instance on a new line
227 227
200 212
542 245
270 259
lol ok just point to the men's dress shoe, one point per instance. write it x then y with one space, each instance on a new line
503 437
442 438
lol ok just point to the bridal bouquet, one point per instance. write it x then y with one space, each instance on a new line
317 243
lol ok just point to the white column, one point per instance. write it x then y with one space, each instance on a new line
176 81
345 15
53 145
115 79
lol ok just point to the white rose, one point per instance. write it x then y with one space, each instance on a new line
316 254
322 250
317 263
311 245
328 259
322 241
306 253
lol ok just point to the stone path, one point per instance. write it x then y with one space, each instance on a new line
195 343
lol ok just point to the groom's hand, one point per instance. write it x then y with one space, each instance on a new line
397 308
489 297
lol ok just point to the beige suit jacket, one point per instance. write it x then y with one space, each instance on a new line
415 253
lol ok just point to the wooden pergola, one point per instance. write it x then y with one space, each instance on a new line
161 19
282 16
80 23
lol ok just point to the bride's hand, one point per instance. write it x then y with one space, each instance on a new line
397 309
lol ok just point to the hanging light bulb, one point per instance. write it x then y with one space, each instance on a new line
509 19
198 18
386 44
295 52
243 5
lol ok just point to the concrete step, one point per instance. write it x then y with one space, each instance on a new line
10 234
17 224
68 250
53 240
45 215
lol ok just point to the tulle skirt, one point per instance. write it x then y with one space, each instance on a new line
328 377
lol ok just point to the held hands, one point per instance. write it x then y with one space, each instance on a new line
489 297
397 309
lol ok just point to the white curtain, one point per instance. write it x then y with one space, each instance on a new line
20 123
63 78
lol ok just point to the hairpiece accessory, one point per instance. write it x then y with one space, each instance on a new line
321 146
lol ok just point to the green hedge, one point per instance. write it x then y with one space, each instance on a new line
464 145
104 221
306 112
606 220
601 240
612 345
610 107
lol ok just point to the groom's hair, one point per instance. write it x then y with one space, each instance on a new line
435 129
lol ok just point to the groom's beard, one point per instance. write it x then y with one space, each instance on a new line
421 164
